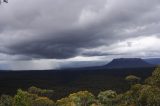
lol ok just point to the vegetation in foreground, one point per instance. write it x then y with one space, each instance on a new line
146 94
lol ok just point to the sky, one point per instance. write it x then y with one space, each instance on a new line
49 34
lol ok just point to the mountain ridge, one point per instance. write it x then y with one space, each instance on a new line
128 63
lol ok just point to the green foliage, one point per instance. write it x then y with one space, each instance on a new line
41 92
144 95
82 98
43 101
65 102
23 98
155 78
108 97
132 79
149 96
128 98
6 100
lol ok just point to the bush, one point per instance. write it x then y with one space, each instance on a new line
108 97
155 78
43 101
132 79
82 98
6 100
41 92
150 96
65 102
23 98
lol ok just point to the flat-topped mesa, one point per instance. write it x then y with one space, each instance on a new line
128 63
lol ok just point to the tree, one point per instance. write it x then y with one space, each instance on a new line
23 98
41 92
149 96
43 101
6 100
127 98
108 97
65 102
130 97
81 98
155 78
132 79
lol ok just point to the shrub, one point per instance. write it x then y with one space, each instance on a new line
132 79
43 101
82 98
6 100
23 98
150 96
41 92
108 97
155 78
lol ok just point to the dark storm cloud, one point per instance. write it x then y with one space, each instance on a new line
62 29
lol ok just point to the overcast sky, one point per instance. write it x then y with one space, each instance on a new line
44 34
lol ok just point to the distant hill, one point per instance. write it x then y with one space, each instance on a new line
128 63
154 61
100 65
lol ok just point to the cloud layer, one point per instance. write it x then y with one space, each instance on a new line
62 29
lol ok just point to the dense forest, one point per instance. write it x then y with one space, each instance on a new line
146 93
65 82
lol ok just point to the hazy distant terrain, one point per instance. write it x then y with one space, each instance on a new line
154 61
65 81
